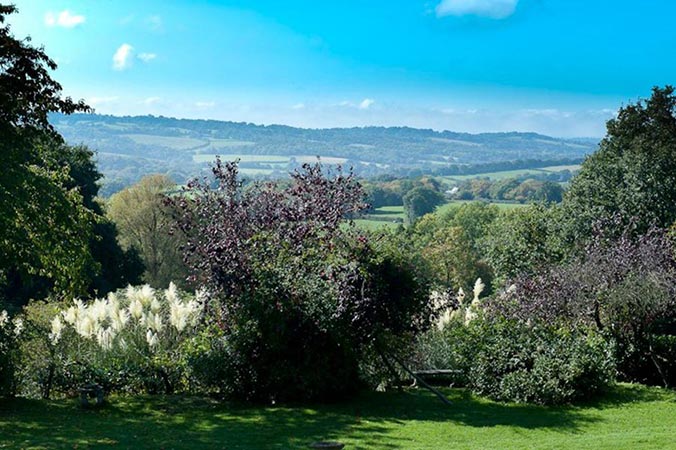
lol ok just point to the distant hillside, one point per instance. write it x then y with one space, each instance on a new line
130 147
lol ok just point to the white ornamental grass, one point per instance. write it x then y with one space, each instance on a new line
155 305
118 318
98 310
472 311
478 289
57 328
85 326
136 309
152 338
104 337
146 294
154 322
18 326
105 320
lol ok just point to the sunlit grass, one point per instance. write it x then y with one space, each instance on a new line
629 417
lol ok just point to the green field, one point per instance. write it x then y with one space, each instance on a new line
388 212
513 173
495 175
572 168
392 216
172 142
265 159
630 417
277 160
324 159
384 217
456 203
375 224
228 143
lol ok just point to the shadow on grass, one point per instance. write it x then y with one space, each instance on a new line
370 421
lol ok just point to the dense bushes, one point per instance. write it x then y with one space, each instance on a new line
538 364
622 287
510 361
132 341
10 331
299 295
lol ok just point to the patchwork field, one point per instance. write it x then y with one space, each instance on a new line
393 216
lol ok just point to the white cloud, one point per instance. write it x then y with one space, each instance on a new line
154 23
298 106
123 57
64 19
98 101
151 101
147 57
366 103
205 104
495 9
126 20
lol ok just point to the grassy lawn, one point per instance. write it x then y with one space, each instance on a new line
629 417
375 224
383 217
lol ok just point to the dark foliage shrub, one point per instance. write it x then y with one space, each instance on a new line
624 288
299 296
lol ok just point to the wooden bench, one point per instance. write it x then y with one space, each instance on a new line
91 391
422 374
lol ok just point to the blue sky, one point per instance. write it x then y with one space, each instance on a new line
559 67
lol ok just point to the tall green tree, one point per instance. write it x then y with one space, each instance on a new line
522 241
145 225
44 226
419 201
114 266
450 243
633 173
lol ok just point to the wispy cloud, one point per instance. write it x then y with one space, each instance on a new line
123 57
298 106
154 23
205 105
366 103
64 19
151 101
126 20
98 101
146 57
494 9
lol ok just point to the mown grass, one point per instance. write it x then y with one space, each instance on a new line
374 225
629 417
